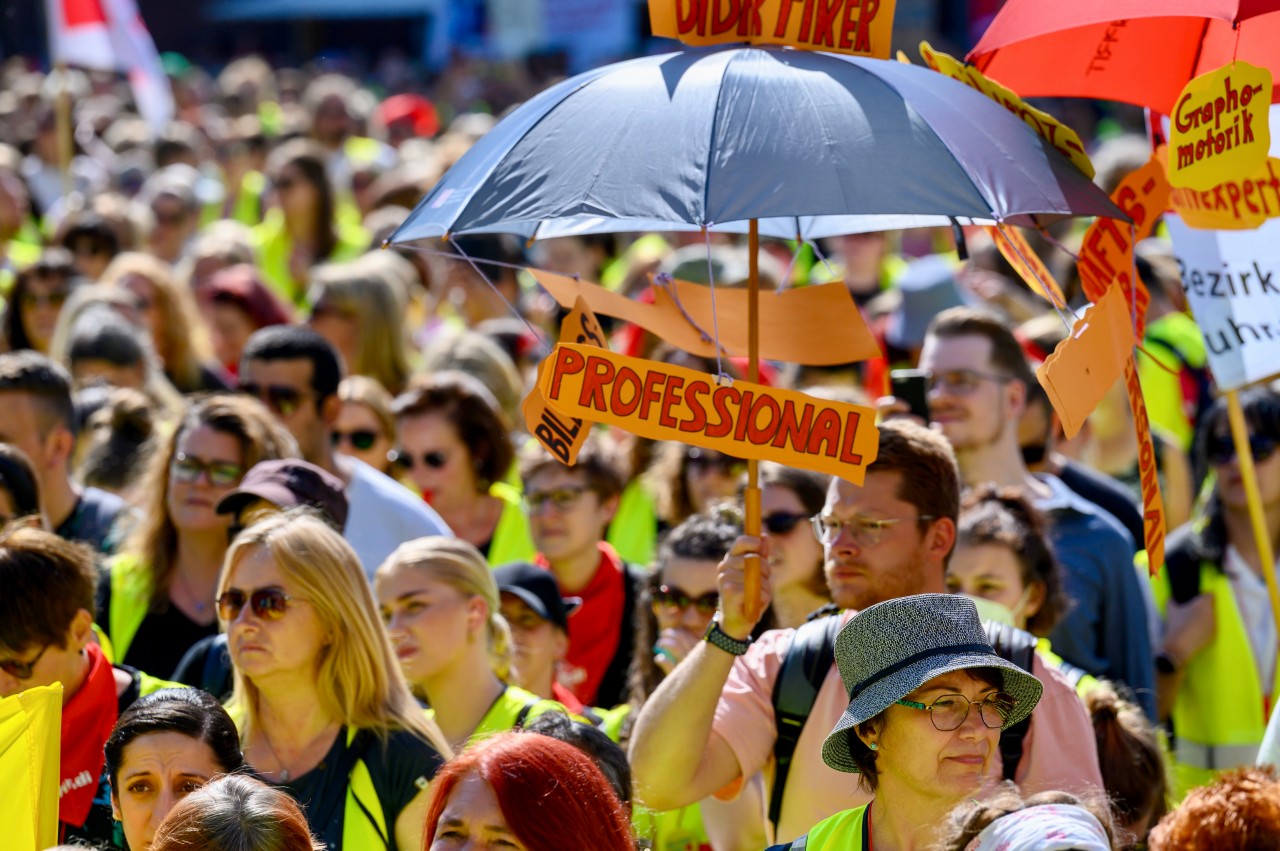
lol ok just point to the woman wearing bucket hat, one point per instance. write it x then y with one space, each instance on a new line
928 697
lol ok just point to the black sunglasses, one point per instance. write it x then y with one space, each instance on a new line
22 670
361 438
1221 449
701 459
279 398
268 604
674 596
434 459
782 522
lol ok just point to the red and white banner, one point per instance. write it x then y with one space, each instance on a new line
110 35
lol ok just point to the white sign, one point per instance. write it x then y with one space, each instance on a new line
1232 282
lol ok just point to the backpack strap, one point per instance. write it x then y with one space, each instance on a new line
804 668
1181 564
523 714
1019 647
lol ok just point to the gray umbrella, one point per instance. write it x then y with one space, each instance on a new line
809 144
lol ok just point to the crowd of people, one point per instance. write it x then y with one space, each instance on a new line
272 519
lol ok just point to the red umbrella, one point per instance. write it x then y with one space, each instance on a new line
1136 51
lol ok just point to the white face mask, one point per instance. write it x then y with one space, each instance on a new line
990 610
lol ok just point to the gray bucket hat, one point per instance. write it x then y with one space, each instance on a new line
892 648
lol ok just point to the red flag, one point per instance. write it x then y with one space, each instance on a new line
110 35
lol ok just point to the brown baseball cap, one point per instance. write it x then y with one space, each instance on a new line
288 483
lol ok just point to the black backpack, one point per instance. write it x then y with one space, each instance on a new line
810 657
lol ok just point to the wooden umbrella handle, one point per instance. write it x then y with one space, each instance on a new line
751 496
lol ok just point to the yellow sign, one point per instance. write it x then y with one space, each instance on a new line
861 27
1053 131
1220 129
1233 205
563 436
746 420
30 726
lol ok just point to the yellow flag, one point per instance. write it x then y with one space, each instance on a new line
30 725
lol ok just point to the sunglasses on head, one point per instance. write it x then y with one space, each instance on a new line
360 438
434 459
782 522
675 597
22 670
220 474
1222 449
279 398
268 604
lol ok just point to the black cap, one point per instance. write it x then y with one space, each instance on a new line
538 589
288 483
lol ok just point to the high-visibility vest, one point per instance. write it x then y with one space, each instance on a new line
1218 714
130 601
633 532
514 708
364 825
843 831
512 540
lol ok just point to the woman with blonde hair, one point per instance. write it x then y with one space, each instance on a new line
157 600
441 608
359 307
323 710
366 428
168 311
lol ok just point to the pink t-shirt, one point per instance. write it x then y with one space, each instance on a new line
744 720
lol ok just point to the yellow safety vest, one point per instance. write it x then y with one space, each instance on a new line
512 540
1218 717
130 602
272 241
634 529
843 831
364 825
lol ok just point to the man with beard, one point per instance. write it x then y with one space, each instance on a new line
712 724
978 385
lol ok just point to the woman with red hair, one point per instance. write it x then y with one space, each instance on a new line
530 792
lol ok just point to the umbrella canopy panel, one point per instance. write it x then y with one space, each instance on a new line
809 143
1135 51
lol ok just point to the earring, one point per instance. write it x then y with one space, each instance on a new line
873 746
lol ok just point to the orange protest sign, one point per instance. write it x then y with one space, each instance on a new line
1106 253
1241 204
746 420
1053 131
1015 249
1153 521
1220 129
862 27
1085 365
815 325
562 436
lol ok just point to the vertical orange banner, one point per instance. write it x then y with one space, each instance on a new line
1153 522
560 435
1024 260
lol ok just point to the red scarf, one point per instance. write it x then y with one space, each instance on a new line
87 721
594 626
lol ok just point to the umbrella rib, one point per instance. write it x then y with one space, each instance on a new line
711 142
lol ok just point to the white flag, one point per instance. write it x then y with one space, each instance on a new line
110 35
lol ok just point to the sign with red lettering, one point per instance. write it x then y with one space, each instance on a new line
1219 129
1106 253
1237 204
861 27
1153 522
563 436
743 419
1053 131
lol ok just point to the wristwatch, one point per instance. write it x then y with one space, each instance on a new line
1166 664
719 638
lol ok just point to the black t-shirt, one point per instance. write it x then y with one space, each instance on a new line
91 520
400 767
162 639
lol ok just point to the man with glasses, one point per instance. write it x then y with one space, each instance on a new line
979 378
46 637
39 419
295 372
569 511
712 723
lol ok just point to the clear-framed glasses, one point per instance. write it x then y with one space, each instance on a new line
950 711
865 531
962 382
